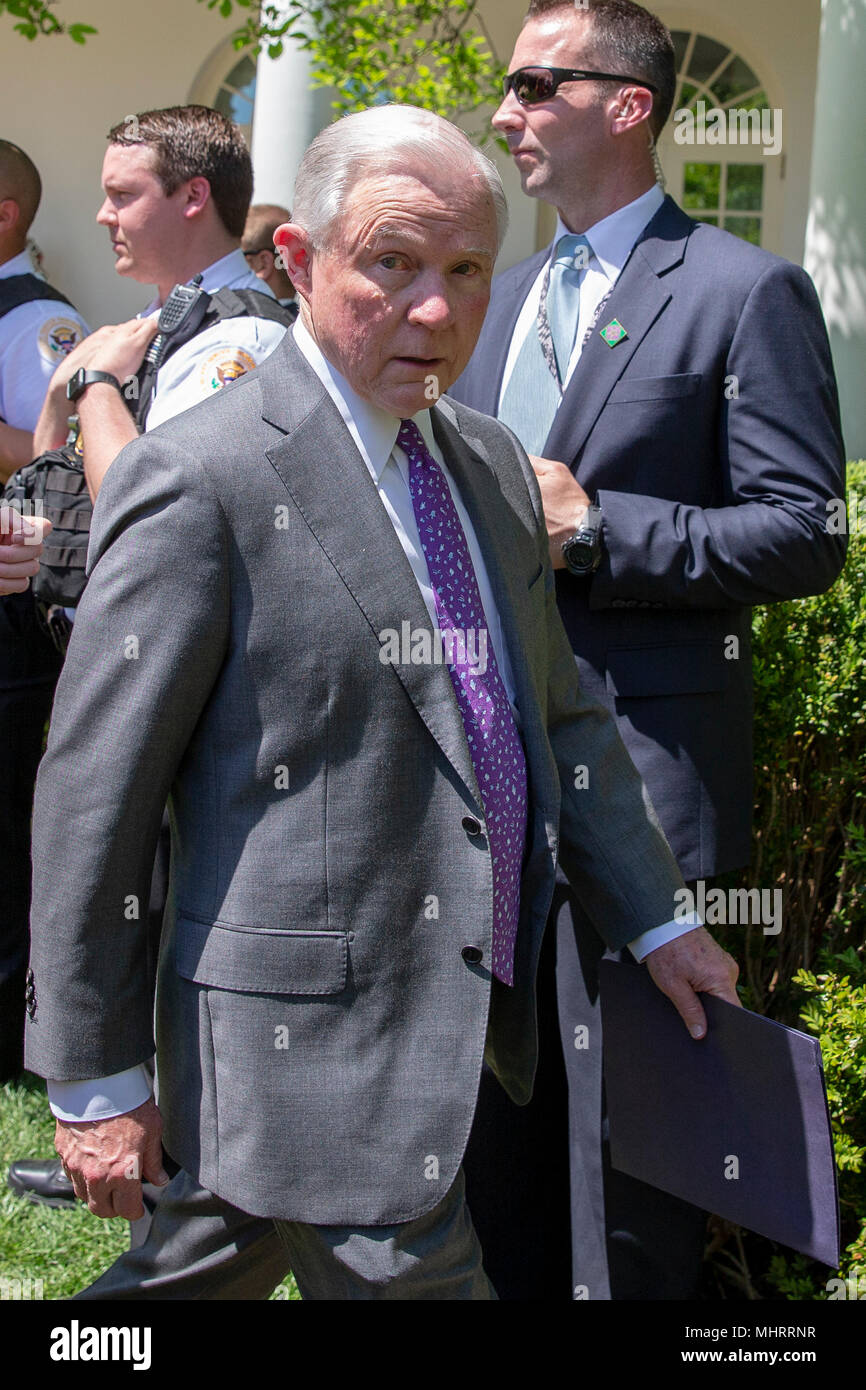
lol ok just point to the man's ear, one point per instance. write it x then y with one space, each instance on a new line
197 196
295 256
262 263
629 109
10 214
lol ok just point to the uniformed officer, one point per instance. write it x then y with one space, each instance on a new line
177 187
38 328
261 254
38 333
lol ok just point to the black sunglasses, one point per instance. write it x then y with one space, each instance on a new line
532 86
259 250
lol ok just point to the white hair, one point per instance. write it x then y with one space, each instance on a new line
383 139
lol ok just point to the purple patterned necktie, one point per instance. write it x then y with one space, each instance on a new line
494 743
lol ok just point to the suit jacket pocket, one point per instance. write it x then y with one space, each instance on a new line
685 668
655 388
261 960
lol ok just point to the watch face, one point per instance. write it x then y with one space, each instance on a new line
582 552
578 554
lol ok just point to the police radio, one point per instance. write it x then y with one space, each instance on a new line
179 318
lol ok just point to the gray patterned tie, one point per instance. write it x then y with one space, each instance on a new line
534 391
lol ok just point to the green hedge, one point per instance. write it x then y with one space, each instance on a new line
810 842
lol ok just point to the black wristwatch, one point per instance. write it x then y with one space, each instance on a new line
78 384
582 551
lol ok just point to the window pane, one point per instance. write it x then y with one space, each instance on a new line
711 221
737 77
755 103
749 228
681 43
745 187
707 57
688 96
702 185
237 108
243 76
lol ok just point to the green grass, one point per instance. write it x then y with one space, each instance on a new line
66 1250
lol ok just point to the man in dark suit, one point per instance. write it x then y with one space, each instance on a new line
678 381
364 835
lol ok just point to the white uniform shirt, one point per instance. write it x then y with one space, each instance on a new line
34 339
222 353
375 433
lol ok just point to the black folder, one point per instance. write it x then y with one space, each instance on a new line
736 1123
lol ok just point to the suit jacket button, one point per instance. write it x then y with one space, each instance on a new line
471 825
472 955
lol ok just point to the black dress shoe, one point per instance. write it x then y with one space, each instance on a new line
41 1180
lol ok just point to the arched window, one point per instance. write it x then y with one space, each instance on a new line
227 81
237 94
727 184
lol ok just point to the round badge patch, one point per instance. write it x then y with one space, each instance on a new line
57 337
225 366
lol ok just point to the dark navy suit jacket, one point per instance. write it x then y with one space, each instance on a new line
710 437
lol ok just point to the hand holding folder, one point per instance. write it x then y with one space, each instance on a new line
736 1123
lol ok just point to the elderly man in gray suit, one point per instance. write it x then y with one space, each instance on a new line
321 622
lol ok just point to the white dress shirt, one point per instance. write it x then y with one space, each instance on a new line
612 241
375 433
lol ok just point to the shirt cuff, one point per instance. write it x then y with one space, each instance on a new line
102 1098
660 936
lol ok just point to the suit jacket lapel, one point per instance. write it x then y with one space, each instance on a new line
317 462
639 298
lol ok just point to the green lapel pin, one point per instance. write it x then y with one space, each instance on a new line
614 333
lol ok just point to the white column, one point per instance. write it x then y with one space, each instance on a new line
836 234
288 114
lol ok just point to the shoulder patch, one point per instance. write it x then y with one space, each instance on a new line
58 336
224 366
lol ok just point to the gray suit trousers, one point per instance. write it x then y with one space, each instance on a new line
201 1247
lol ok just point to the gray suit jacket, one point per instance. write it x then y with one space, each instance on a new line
319 1032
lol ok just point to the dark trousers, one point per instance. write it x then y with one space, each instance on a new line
29 666
555 1220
